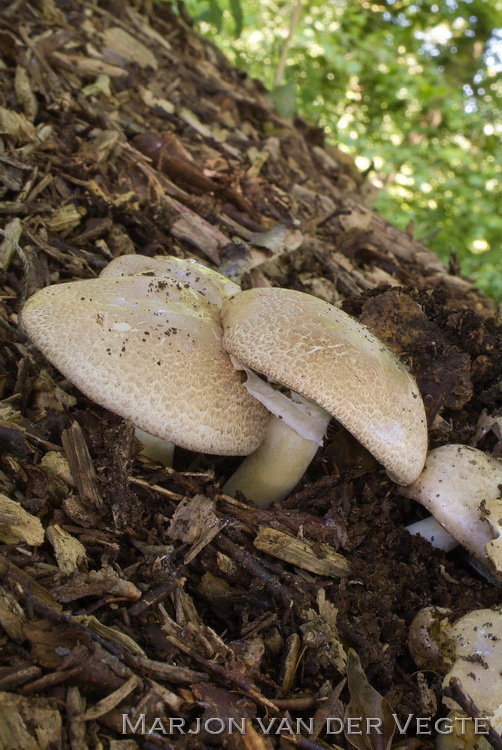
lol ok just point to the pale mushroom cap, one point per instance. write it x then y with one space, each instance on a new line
478 649
324 354
461 487
149 349
211 284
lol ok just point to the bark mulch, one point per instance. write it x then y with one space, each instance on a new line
131 589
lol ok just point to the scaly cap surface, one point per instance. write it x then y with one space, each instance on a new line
149 349
324 354
215 287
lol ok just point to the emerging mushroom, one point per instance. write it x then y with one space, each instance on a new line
470 650
477 640
149 349
211 284
461 486
333 366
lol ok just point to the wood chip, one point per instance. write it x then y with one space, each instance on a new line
317 558
12 617
112 700
128 47
97 583
195 522
81 466
17 525
70 553
31 724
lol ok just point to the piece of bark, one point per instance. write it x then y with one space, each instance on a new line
70 553
317 558
31 724
17 525
81 466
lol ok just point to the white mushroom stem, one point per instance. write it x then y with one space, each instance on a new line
270 473
295 432
157 449
433 532
461 487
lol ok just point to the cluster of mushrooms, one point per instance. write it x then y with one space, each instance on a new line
192 360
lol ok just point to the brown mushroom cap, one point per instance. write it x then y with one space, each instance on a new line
149 349
319 351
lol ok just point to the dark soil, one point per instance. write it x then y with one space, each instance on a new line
204 624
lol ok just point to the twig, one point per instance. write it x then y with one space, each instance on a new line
455 690
252 565
155 595
295 20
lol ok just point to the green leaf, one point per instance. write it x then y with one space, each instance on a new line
214 15
237 15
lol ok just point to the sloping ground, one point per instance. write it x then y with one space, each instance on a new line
127 588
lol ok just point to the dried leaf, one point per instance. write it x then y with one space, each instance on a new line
196 523
320 632
67 217
96 583
155 102
87 66
365 704
56 464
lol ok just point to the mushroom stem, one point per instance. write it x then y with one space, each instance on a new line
433 532
270 473
155 448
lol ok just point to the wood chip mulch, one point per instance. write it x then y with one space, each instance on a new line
127 588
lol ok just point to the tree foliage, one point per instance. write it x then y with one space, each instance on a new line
409 87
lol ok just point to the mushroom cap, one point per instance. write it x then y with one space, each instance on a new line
322 353
211 284
429 639
149 349
460 486
477 637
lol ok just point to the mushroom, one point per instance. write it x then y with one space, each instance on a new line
431 530
461 487
469 650
149 349
333 366
477 642
429 639
211 284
